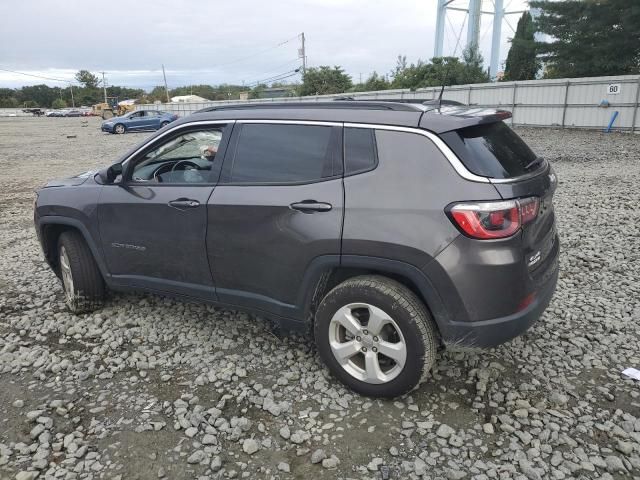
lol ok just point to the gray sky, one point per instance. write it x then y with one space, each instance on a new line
220 41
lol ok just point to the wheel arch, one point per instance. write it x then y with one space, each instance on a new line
326 274
51 227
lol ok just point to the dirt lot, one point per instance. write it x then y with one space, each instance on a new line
151 387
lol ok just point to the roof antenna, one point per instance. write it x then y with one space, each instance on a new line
444 83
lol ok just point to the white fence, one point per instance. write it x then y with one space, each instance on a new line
569 102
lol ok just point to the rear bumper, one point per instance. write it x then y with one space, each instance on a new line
493 332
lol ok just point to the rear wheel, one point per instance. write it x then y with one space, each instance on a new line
119 129
164 124
81 279
376 336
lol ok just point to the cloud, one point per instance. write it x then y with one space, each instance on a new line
215 42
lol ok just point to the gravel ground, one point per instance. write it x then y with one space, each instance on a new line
150 387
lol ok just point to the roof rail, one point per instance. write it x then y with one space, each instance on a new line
342 104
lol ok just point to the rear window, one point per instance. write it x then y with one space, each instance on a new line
360 150
492 150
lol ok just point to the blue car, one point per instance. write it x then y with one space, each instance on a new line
138 120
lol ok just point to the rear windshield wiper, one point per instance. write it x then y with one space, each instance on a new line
534 162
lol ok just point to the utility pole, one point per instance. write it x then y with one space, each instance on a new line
303 55
104 87
73 102
165 84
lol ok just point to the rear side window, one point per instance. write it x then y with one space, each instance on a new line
360 153
492 150
283 154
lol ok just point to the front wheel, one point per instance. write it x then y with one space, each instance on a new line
119 129
81 279
376 336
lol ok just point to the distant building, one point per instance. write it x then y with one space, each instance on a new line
188 99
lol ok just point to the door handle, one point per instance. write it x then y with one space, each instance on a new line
310 206
182 203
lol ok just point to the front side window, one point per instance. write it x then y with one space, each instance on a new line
186 158
269 153
135 115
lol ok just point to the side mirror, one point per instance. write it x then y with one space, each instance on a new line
108 175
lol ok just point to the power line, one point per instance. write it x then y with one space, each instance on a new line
259 52
279 67
275 78
36 76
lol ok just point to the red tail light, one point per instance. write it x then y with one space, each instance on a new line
489 220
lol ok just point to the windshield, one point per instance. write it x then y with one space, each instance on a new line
493 150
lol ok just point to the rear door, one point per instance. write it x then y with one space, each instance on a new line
277 208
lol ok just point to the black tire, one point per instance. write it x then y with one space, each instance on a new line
119 129
87 291
404 308
164 124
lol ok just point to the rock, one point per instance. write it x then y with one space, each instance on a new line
454 474
374 464
624 447
318 455
209 439
191 432
196 457
488 429
445 431
216 463
27 475
250 446
331 462
614 464
393 451
558 398
285 432
284 467
420 467
18 403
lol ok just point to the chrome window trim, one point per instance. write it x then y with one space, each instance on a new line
451 157
294 122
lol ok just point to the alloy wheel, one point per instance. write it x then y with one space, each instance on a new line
67 276
367 343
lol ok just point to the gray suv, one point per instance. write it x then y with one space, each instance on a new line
391 229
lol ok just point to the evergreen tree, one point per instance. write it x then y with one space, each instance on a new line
590 37
522 62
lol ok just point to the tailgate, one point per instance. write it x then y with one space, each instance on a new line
540 238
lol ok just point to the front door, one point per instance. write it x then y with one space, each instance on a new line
153 223
277 207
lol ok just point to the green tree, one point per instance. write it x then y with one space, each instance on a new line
59 103
86 78
472 71
590 37
325 80
373 83
522 61
441 70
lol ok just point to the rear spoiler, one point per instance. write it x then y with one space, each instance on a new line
447 118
